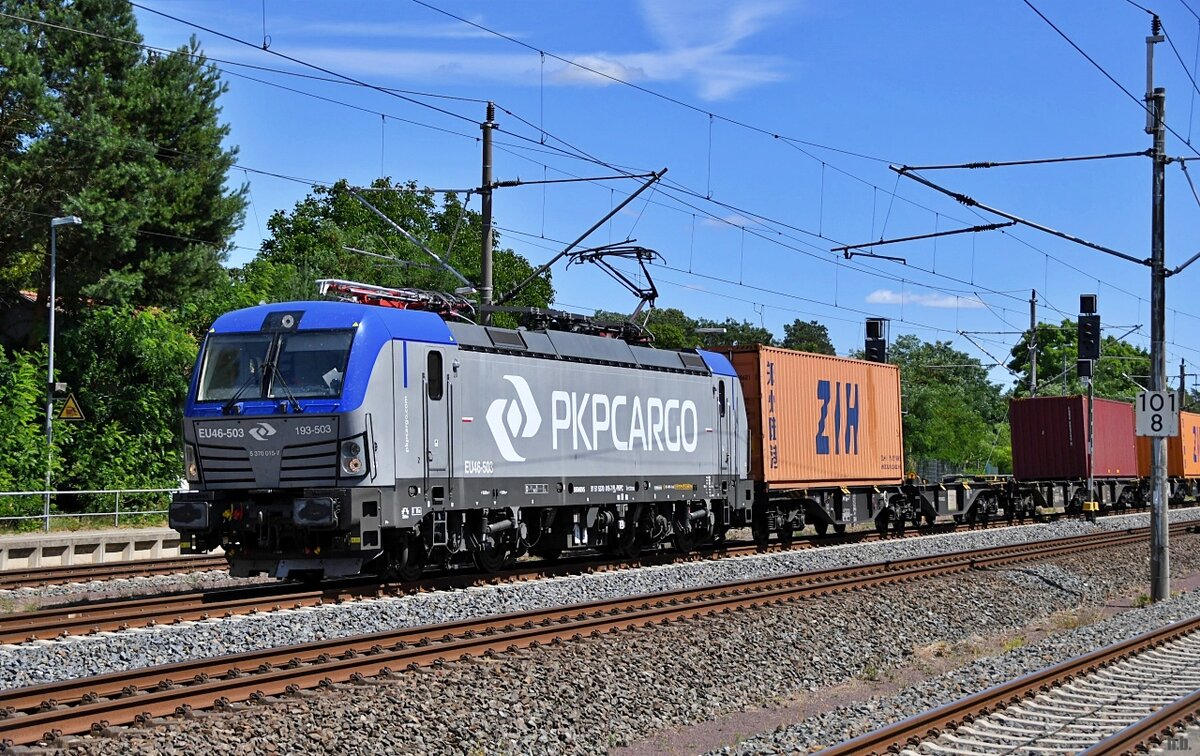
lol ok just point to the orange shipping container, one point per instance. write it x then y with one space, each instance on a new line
1183 451
819 421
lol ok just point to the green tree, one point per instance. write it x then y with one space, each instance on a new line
326 235
129 369
23 452
952 412
1121 372
131 143
809 336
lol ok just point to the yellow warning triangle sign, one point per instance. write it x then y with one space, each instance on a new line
71 410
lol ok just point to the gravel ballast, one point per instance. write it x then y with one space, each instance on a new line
846 722
81 656
26 599
589 696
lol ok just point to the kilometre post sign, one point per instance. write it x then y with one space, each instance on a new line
1156 413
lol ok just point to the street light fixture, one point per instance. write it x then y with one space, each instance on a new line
66 220
706 332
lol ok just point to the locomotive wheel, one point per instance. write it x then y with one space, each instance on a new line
407 561
684 541
549 555
625 544
760 529
719 536
492 559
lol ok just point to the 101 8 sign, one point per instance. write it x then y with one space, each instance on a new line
1156 413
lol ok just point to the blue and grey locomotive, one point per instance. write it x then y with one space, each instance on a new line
331 438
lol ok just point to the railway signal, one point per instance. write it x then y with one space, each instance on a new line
875 347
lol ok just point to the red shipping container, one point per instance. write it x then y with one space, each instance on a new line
818 421
1049 438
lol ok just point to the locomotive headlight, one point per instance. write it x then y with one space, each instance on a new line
353 460
190 466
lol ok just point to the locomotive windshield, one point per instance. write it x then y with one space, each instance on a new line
293 365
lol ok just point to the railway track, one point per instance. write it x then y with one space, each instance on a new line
46 712
36 577
43 576
171 608
143 611
1113 700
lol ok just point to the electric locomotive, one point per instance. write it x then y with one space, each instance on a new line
330 438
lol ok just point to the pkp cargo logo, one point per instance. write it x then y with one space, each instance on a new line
262 431
514 418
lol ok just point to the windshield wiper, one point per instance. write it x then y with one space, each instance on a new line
238 394
287 391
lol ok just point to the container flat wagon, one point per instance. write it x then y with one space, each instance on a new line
1051 463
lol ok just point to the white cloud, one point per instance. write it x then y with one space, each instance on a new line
697 46
601 68
887 296
733 221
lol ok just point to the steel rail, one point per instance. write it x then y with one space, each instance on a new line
93 704
930 724
1153 729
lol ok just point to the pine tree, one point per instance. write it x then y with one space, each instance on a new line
92 126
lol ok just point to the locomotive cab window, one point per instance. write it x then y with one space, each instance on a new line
721 397
232 363
435 377
310 364
296 364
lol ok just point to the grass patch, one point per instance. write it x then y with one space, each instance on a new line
17 606
1069 619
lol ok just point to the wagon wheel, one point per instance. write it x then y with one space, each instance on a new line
760 529
882 520
786 533
898 526
821 527
840 528
406 559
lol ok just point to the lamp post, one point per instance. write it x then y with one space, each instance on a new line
66 220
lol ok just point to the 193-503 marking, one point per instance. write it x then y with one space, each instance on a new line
313 430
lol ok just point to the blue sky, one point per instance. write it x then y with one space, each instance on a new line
777 122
